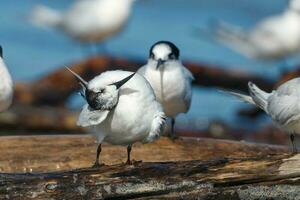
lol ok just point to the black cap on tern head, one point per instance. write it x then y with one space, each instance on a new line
174 48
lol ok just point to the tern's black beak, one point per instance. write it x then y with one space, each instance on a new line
1 52
159 63
122 82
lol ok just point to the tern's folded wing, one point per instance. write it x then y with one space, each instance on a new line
188 74
90 117
284 109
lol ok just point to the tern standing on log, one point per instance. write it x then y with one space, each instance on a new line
121 105
273 38
282 105
170 80
88 21
6 85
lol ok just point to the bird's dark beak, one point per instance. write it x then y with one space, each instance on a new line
122 82
159 63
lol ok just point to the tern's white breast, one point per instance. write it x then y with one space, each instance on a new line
6 87
171 86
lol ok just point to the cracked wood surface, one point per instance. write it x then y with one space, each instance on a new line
184 169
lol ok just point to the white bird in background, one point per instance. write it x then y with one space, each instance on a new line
274 38
282 105
6 85
121 106
88 21
170 80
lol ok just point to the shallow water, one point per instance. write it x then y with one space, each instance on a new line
31 52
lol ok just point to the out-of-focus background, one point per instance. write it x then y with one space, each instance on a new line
32 53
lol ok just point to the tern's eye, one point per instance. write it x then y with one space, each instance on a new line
152 55
102 91
172 56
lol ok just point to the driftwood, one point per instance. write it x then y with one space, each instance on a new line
52 153
56 87
208 169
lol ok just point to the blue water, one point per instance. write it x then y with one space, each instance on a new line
31 52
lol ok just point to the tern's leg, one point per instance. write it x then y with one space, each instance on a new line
292 137
97 164
129 147
172 134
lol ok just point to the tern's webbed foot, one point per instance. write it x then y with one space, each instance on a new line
128 162
133 162
97 165
173 137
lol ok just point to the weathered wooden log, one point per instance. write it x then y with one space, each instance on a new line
56 87
65 152
184 169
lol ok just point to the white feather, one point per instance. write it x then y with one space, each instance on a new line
89 117
137 117
174 90
282 105
6 87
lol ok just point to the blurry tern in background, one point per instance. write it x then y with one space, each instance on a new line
87 21
274 38
6 85
121 106
282 105
170 80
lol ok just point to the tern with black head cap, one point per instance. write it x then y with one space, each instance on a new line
170 80
122 108
6 85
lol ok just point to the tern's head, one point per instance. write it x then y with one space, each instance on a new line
163 52
101 96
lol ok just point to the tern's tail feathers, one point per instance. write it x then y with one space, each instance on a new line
45 17
233 37
259 96
242 97
157 127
